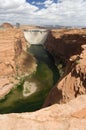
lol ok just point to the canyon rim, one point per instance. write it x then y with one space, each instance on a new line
65 105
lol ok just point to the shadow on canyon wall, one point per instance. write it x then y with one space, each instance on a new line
67 48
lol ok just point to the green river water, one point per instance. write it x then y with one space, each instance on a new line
20 99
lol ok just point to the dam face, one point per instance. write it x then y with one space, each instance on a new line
36 36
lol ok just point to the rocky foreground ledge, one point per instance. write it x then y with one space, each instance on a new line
70 116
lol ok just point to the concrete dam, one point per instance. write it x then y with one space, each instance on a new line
36 36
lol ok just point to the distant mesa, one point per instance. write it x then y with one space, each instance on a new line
6 25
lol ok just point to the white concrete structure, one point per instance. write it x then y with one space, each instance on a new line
36 36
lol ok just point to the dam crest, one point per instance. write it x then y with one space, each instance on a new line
36 36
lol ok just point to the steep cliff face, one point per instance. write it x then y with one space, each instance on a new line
14 60
65 43
70 46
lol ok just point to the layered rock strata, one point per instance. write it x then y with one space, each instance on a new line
68 46
14 61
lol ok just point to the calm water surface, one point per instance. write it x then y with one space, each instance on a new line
22 99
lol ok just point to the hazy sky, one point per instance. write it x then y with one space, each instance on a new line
62 12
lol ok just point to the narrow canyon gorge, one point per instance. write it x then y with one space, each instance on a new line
65 105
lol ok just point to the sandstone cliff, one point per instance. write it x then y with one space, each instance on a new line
70 47
65 43
68 116
14 61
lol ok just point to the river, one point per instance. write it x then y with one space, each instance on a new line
31 93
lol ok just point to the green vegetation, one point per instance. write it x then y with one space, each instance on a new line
44 74
60 68
77 61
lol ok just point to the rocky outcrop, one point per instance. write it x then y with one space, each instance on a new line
68 116
70 46
7 25
14 61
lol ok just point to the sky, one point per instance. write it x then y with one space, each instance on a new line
44 12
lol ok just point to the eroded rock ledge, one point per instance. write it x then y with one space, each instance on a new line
68 45
68 116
